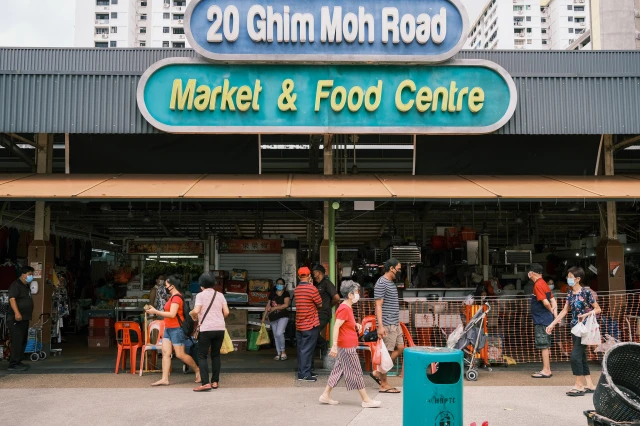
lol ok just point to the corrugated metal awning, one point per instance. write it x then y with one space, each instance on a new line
315 187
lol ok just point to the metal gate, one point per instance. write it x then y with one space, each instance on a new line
260 266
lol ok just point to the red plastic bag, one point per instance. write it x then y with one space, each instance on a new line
377 352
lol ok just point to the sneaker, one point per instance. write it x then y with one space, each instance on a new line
283 357
18 368
277 358
308 379
314 375
372 404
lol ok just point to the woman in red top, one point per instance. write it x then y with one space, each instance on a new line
173 338
345 341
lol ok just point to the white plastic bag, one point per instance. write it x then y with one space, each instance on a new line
387 363
579 329
592 336
608 343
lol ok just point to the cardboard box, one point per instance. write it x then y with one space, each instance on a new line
236 317
260 285
239 274
237 331
235 286
258 297
239 345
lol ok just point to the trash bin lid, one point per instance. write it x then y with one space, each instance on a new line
438 354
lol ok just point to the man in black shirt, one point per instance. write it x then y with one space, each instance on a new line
330 298
19 316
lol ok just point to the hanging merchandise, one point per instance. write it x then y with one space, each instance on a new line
60 306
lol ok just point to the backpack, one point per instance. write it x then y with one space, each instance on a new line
188 324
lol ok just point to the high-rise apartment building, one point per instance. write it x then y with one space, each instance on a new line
529 24
130 23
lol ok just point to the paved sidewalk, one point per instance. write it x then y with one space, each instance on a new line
501 406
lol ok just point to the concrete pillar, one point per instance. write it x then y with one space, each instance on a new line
328 171
41 252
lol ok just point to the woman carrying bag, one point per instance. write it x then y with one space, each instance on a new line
581 303
345 341
210 311
277 311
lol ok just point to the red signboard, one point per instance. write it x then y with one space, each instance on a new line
175 247
251 246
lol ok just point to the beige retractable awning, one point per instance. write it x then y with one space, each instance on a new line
315 187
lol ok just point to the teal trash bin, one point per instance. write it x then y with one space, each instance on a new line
432 386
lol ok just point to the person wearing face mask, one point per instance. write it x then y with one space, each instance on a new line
174 337
581 303
19 316
158 295
388 316
277 310
544 309
345 341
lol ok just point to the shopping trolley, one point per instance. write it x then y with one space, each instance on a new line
34 341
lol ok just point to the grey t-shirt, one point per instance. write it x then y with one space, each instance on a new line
388 291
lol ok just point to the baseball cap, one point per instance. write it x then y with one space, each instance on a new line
536 268
304 272
318 267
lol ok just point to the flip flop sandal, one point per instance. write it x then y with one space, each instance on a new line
390 390
587 390
375 378
575 392
539 375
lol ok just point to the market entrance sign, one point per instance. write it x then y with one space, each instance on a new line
187 95
417 31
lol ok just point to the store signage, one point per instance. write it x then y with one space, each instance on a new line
251 246
174 247
424 31
188 95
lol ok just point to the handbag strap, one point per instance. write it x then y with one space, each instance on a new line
215 293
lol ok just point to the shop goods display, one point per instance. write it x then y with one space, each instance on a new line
236 286
236 317
239 274
258 297
260 285
237 331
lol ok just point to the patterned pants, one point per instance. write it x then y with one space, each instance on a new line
347 365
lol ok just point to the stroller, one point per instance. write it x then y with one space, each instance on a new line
470 340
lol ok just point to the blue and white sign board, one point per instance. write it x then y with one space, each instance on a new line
379 31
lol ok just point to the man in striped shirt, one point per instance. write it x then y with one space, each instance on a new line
308 301
388 316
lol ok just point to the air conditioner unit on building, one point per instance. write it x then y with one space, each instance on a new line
105 35
166 5
637 35
181 36
179 8
97 21
582 24
106 8
180 21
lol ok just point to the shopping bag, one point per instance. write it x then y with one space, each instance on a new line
377 352
227 344
252 337
592 336
579 329
609 342
263 336
386 363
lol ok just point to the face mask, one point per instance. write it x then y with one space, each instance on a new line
356 297
571 282
29 278
279 287
161 282
551 286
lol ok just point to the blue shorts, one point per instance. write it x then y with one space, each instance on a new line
175 336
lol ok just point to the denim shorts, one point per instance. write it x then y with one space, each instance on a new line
175 336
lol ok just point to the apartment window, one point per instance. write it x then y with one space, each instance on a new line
179 3
102 31
101 44
543 20
102 2
528 7
529 30
178 45
167 2
143 4
165 30
143 44
143 17
544 41
165 44
166 16
114 30
177 16
178 30
543 31
529 41
570 18
570 30
102 16
114 1
579 9
143 30
517 8
570 7
528 18
113 43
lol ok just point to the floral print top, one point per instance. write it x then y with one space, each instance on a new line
580 303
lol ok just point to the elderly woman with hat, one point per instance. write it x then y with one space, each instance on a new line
308 301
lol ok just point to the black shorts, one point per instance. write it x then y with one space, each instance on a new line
543 339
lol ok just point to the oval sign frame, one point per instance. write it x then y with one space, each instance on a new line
311 129
328 58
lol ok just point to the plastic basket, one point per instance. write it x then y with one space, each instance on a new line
594 419
617 395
